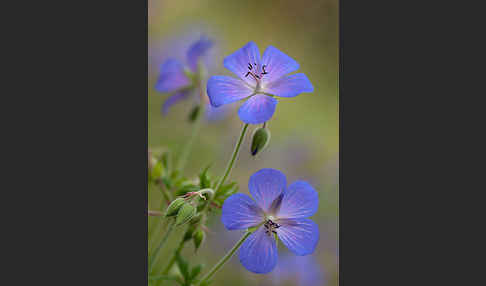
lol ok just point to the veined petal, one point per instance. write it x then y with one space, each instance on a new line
299 235
258 253
172 76
277 64
173 99
238 62
257 109
300 200
240 212
265 186
225 89
197 50
290 86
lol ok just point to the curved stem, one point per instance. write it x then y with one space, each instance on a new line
224 259
229 167
233 158
156 253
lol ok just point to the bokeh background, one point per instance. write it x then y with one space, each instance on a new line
305 129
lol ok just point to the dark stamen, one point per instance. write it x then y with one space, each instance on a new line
249 66
263 68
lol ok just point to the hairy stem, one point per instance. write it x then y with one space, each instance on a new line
153 258
233 158
224 259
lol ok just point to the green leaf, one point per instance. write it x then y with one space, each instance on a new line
186 188
196 270
204 179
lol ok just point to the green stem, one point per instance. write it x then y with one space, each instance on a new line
229 167
233 158
173 259
155 255
224 259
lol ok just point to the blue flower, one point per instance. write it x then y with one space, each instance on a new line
184 80
260 79
279 211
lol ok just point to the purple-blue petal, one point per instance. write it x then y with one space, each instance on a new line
290 86
238 61
265 186
173 99
300 200
258 253
172 76
257 109
240 212
198 50
277 64
225 89
299 235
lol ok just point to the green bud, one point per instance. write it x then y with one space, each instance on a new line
194 113
261 137
188 234
186 212
174 207
198 238
196 218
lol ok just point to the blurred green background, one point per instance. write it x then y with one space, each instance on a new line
305 129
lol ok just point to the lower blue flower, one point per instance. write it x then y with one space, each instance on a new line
279 211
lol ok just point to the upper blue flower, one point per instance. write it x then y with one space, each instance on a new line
182 79
260 79
279 209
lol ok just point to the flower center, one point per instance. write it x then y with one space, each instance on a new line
257 74
270 227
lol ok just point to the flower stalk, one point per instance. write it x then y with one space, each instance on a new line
224 259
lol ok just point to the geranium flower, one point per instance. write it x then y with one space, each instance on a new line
278 211
260 79
182 80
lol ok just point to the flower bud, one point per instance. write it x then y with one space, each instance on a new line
186 212
188 234
198 238
196 219
194 113
174 207
261 137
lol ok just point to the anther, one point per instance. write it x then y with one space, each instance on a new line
263 68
